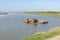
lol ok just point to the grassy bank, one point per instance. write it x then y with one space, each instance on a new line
44 35
49 13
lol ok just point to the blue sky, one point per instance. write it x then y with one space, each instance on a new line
29 5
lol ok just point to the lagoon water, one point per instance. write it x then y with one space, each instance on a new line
12 26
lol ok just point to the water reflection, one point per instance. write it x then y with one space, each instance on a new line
30 29
12 26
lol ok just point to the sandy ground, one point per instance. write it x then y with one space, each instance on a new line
54 38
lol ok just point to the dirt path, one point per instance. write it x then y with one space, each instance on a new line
54 38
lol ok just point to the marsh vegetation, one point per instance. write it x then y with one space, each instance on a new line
48 13
44 35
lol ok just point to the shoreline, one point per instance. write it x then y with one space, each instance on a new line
51 14
45 35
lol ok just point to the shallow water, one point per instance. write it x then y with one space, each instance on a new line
12 26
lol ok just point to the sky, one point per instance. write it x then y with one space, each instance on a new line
29 5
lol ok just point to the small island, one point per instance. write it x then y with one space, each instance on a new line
3 13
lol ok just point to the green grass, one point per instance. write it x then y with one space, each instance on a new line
52 14
44 35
